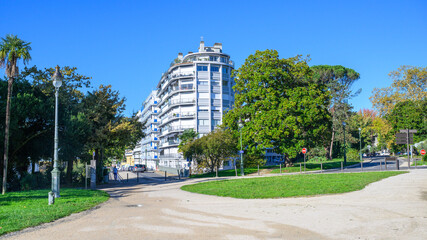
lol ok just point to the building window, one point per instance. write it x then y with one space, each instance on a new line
202 68
224 60
203 83
215 83
203 122
213 58
225 70
216 122
214 68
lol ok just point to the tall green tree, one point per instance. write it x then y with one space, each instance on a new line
74 127
409 115
279 104
339 81
12 49
110 131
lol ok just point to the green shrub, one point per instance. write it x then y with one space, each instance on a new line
34 181
317 154
353 154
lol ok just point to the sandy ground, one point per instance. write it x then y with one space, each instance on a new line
394 208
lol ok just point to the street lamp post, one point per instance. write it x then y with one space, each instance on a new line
241 148
345 156
57 83
360 149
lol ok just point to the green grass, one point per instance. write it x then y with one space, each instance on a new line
289 186
315 166
19 210
310 166
420 163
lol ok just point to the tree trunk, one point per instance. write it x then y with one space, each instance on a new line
33 166
332 144
6 132
70 172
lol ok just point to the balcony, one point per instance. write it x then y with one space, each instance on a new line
174 129
173 116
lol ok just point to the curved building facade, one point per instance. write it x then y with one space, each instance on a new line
194 93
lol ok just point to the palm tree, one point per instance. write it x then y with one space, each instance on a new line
11 50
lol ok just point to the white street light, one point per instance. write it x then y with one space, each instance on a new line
241 148
57 82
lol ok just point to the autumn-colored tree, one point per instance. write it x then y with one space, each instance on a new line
409 83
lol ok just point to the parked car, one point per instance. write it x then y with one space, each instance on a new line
130 168
139 168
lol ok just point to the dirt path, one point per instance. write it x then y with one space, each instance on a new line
394 208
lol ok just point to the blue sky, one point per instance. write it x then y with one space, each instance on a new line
128 44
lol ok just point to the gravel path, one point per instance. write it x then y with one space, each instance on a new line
394 208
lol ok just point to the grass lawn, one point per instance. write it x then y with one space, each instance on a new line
289 186
19 210
420 163
310 166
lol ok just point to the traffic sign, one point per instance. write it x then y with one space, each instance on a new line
423 152
241 151
406 131
304 150
402 138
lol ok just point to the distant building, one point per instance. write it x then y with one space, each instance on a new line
146 152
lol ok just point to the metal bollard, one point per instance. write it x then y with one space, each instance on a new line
280 169
321 167
342 169
300 171
385 164
51 196
397 164
381 167
165 175
137 177
258 169
127 177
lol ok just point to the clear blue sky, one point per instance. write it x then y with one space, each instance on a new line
128 44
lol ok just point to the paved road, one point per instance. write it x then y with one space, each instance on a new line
394 208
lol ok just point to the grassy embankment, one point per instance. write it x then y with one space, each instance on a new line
310 166
19 210
289 185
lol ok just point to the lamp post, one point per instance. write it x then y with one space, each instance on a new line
345 156
360 148
241 148
57 83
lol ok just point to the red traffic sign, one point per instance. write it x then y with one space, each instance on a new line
304 150
423 152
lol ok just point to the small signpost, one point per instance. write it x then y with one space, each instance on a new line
423 152
406 136
304 151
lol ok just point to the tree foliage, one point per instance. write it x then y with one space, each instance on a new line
409 83
12 49
339 81
279 103
211 150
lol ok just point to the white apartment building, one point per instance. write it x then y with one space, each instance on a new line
193 93
146 152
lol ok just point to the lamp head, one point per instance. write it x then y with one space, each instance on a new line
240 123
57 78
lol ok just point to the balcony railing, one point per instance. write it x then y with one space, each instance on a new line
173 116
